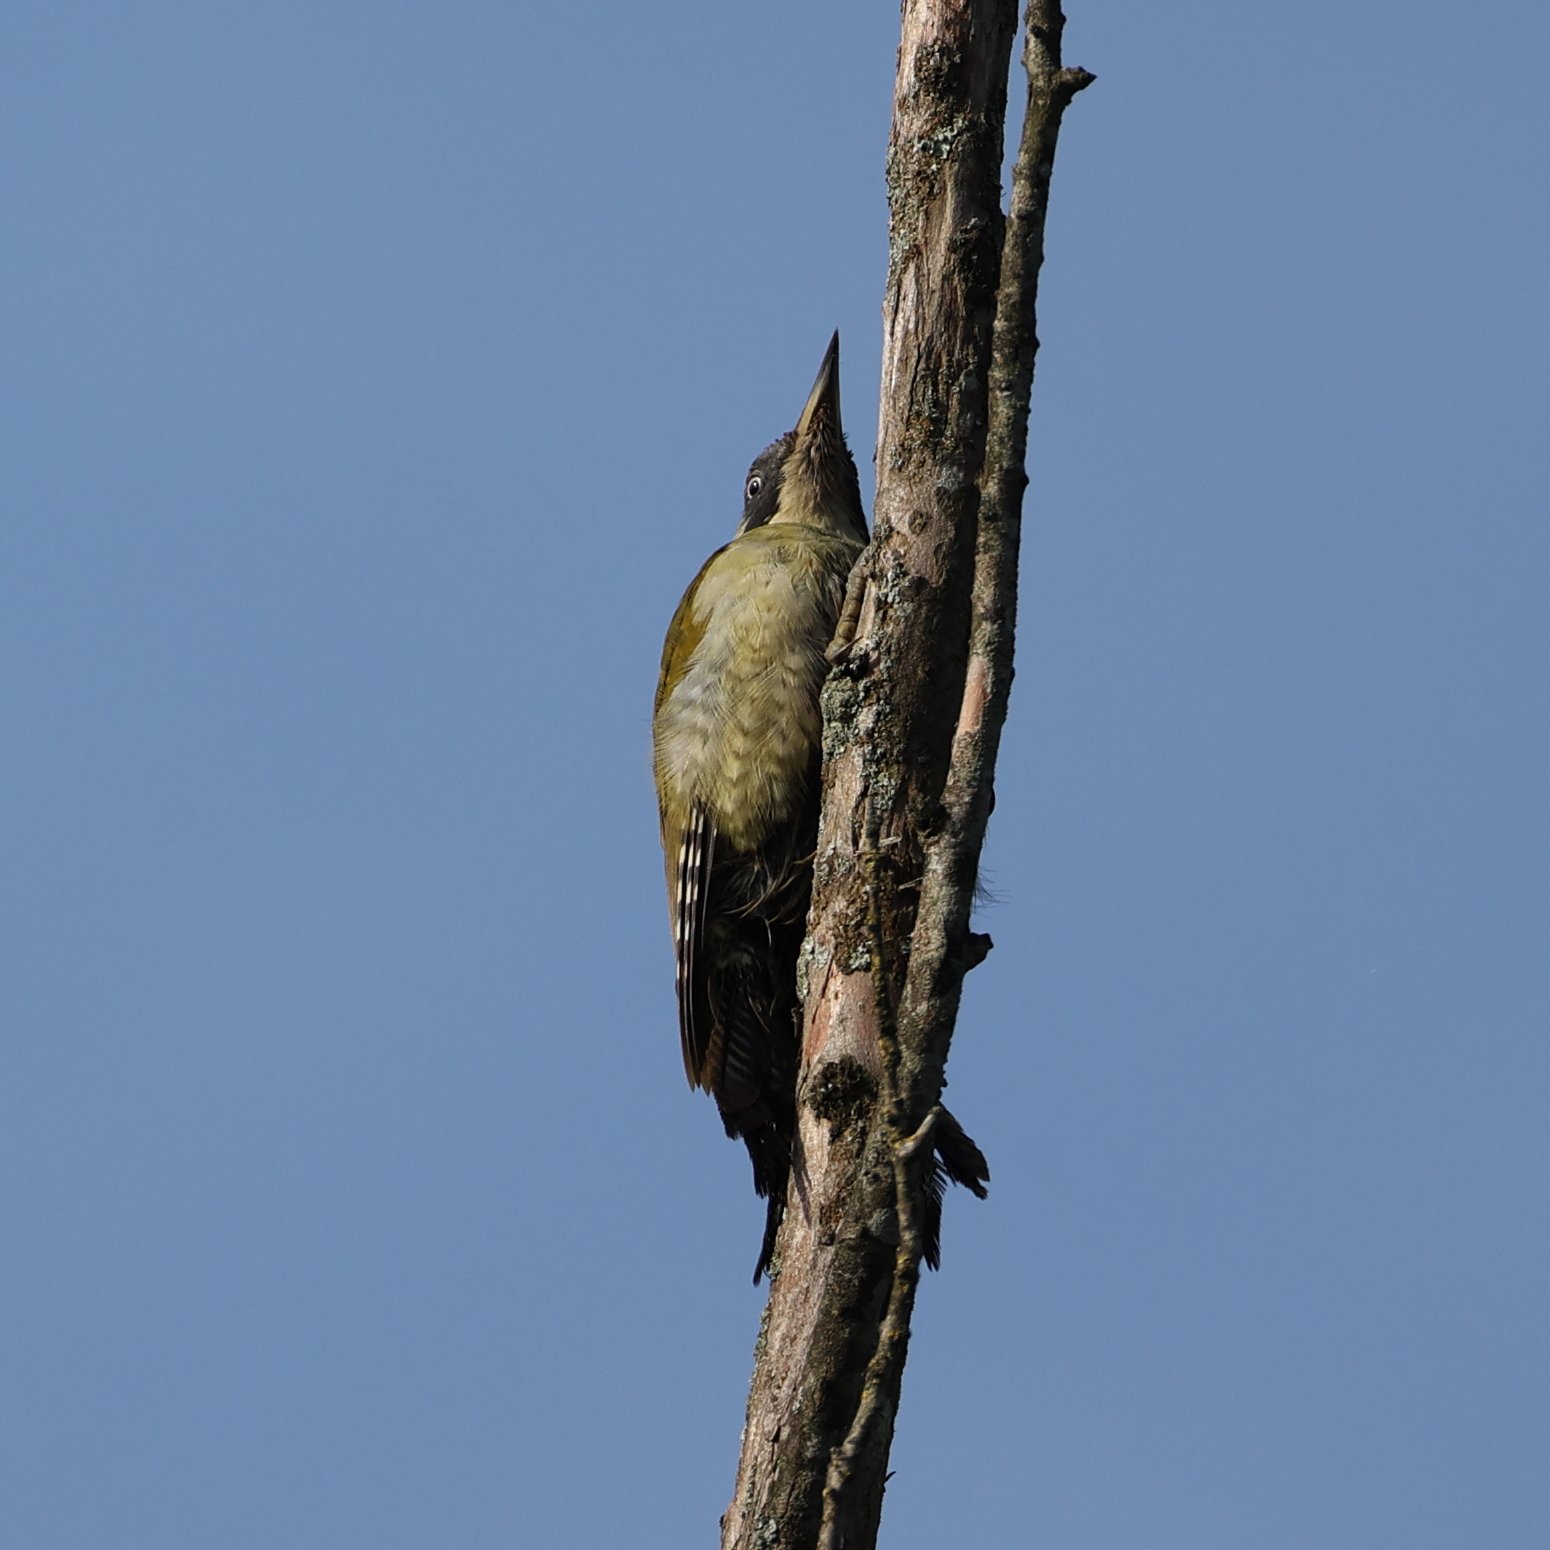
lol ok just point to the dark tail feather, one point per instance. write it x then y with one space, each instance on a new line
755 1085
955 1157
771 1173
774 1214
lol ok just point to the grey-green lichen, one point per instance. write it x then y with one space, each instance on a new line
842 703
813 959
859 959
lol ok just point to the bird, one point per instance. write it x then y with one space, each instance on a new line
736 742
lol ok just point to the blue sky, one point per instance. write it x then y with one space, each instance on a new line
375 378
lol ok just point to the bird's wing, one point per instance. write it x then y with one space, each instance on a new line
690 889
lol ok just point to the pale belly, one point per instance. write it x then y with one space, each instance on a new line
739 734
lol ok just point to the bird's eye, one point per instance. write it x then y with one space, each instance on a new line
755 484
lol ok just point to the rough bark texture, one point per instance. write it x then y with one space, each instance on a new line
913 714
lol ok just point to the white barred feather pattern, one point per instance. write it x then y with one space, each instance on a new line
691 877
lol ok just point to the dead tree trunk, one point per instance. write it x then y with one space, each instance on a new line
912 715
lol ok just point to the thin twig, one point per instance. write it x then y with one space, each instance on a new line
929 1001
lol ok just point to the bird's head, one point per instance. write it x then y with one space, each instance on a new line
809 476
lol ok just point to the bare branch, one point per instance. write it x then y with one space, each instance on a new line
913 713
930 1002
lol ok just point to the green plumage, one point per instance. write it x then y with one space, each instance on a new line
737 719
737 734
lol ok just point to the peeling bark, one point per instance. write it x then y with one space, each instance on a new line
913 714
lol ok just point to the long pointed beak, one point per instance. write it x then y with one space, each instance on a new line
821 412
818 475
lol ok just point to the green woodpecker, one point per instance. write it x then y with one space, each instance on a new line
737 733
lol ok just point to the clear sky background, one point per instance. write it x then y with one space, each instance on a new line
375 378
